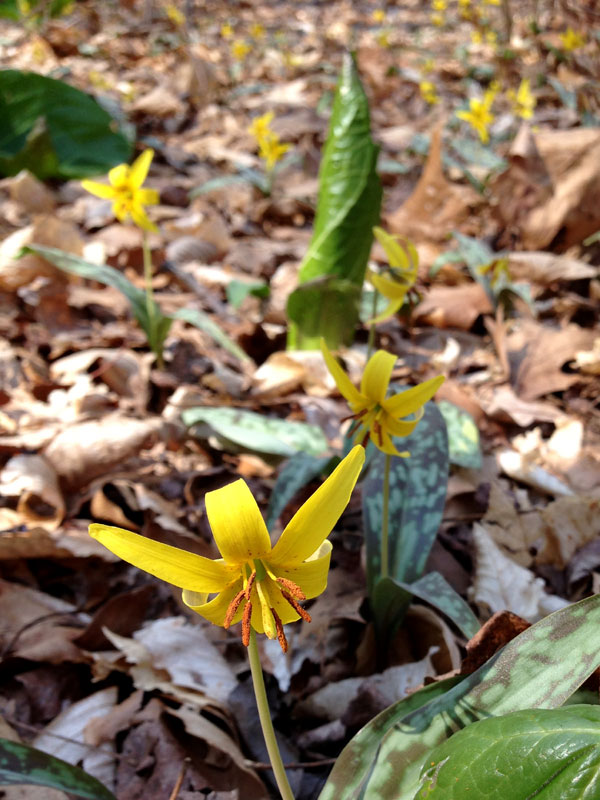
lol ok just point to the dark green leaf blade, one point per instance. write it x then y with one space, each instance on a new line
463 436
21 764
546 753
348 208
81 139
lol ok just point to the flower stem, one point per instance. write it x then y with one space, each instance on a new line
385 518
150 305
265 720
371 339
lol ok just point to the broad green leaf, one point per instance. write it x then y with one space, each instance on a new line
540 668
203 322
296 473
352 769
553 753
347 209
252 431
417 496
473 152
463 436
21 764
9 9
55 130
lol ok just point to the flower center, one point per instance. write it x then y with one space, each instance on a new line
259 584
363 422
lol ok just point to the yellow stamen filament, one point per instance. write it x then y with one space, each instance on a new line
280 634
297 607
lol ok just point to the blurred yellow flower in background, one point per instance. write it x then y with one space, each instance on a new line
126 192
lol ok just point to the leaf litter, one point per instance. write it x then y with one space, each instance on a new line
102 665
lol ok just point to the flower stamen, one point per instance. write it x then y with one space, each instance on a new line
232 608
292 588
297 607
246 623
280 634
250 584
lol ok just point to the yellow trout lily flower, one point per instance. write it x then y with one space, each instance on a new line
403 266
375 415
571 40
126 192
254 582
479 115
523 101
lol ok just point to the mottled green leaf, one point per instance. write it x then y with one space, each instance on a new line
55 130
295 474
21 764
435 590
417 495
540 668
553 753
252 431
463 436
347 209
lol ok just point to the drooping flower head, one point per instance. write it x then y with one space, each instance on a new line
396 281
571 40
126 192
259 584
375 415
428 92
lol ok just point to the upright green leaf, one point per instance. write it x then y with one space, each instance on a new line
540 668
463 436
55 130
417 495
557 752
21 764
348 207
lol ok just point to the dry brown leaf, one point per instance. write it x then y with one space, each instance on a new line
160 102
33 196
501 584
436 206
33 480
501 403
87 450
49 231
453 306
547 350
547 268
552 186
65 736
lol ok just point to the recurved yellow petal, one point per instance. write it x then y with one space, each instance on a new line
400 405
314 521
376 377
237 524
311 575
392 308
342 381
398 427
147 197
214 610
396 254
170 564
102 190
139 169
386 445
